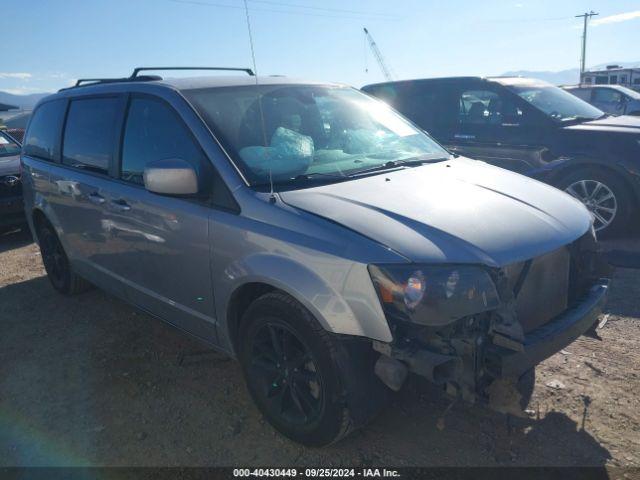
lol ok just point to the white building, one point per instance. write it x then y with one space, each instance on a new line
613 75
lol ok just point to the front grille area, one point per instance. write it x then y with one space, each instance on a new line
8 188
545 290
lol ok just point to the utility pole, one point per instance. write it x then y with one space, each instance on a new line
583 58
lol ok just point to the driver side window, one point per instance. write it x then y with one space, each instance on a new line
154 132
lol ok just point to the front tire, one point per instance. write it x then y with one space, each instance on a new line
297 373
56 262
604 194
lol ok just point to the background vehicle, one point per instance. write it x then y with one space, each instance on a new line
613 99
11 210
302 228
535 129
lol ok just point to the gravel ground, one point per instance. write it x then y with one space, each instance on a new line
88 380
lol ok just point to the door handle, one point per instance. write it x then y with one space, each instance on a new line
96 198
120 205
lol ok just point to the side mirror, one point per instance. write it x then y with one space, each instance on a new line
171 177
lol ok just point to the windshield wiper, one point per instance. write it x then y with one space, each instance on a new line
306 177
309 176
407 162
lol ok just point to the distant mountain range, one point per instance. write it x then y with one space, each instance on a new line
565 77
24 102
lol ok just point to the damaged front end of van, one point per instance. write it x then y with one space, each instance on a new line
477 330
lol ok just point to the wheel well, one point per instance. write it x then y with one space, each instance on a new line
240 301
563 173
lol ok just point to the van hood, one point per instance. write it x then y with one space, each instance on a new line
623 123
9 165
458 211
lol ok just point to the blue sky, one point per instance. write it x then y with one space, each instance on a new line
48 43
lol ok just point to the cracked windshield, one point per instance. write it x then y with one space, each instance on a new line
298 133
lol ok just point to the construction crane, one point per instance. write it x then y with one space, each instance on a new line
386 70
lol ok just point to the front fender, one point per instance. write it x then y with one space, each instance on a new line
339 293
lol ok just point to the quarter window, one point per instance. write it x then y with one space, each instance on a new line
89 134
154 132
43 136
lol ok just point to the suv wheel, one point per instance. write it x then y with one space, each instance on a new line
290 364
56 263
605 196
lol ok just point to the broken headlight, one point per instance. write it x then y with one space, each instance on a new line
433 295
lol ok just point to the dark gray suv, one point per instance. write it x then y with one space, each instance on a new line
11 210
314 234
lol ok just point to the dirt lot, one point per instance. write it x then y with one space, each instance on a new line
88 380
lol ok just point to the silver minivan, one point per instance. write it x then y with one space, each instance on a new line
315 235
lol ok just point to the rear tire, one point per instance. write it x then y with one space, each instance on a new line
56 262
604 194
300 377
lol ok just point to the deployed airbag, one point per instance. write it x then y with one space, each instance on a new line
289 154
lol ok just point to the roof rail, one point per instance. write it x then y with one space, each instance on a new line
248 71
148 78
84 82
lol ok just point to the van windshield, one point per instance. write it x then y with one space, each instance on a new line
8 146
555 102
297 132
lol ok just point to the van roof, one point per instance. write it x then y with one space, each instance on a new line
191 83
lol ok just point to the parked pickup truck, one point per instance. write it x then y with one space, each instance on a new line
536 129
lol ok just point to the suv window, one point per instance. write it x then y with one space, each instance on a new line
7 146
90 132
485 107
608 95
42 138
154 132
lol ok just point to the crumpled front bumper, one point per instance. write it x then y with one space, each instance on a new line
556 334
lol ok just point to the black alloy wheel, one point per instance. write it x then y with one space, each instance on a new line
286 374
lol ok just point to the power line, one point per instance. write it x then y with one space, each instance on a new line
528 20
287 12
326 9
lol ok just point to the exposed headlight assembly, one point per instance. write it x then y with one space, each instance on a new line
433 295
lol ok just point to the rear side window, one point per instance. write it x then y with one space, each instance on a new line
429 106
154 132
43 136
89 133
582 93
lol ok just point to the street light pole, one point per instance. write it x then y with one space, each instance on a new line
583 58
